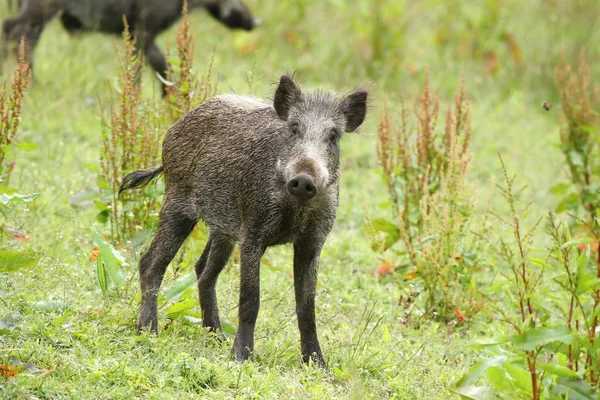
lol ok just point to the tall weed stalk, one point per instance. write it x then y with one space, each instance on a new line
11 106
546 344
579 137
131 140
425 171
186 88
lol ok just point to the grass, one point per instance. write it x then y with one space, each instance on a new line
88 343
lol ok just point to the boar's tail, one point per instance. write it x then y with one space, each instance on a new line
140 178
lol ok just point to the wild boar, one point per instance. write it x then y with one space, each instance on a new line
259 173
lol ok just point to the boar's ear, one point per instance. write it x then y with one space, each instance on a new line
354 108
287 94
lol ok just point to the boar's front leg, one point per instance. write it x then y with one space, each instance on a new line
306 264
250 255
174 226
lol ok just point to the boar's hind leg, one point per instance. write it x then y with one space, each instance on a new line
306 265
250 255
209 266
173 228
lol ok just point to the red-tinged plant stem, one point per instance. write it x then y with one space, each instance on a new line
593 327
531 358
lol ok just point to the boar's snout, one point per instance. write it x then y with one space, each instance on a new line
302 186
241 20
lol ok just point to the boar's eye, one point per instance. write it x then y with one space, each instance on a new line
334 136
295 128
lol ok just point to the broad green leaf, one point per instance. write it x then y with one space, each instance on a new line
6 190
92 167
100 205
179 309
583 260
484 342
9 324
560 188
60 320
26 146
11 260
16 197
391 230
497 376
556 369
588 128
577 242
571 202
229 329
538 261
102 216
174 292
474 392
586 282
111 259
577 388
561 359
521 377
531 339
383 225
476 371
193 320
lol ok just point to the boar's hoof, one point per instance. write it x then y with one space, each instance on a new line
315 358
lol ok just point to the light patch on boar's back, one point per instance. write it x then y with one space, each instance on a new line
244 102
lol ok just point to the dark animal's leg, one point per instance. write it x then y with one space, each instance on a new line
306 265
13 30
173 228
154 57
29 25
209 266
249 299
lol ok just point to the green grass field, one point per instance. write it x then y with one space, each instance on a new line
88 343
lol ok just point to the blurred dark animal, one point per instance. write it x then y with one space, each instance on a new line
259 173
146 19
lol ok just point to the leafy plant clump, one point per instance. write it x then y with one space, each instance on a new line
547 344
428 240
580 100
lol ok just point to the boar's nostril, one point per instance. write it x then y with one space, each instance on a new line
302 186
